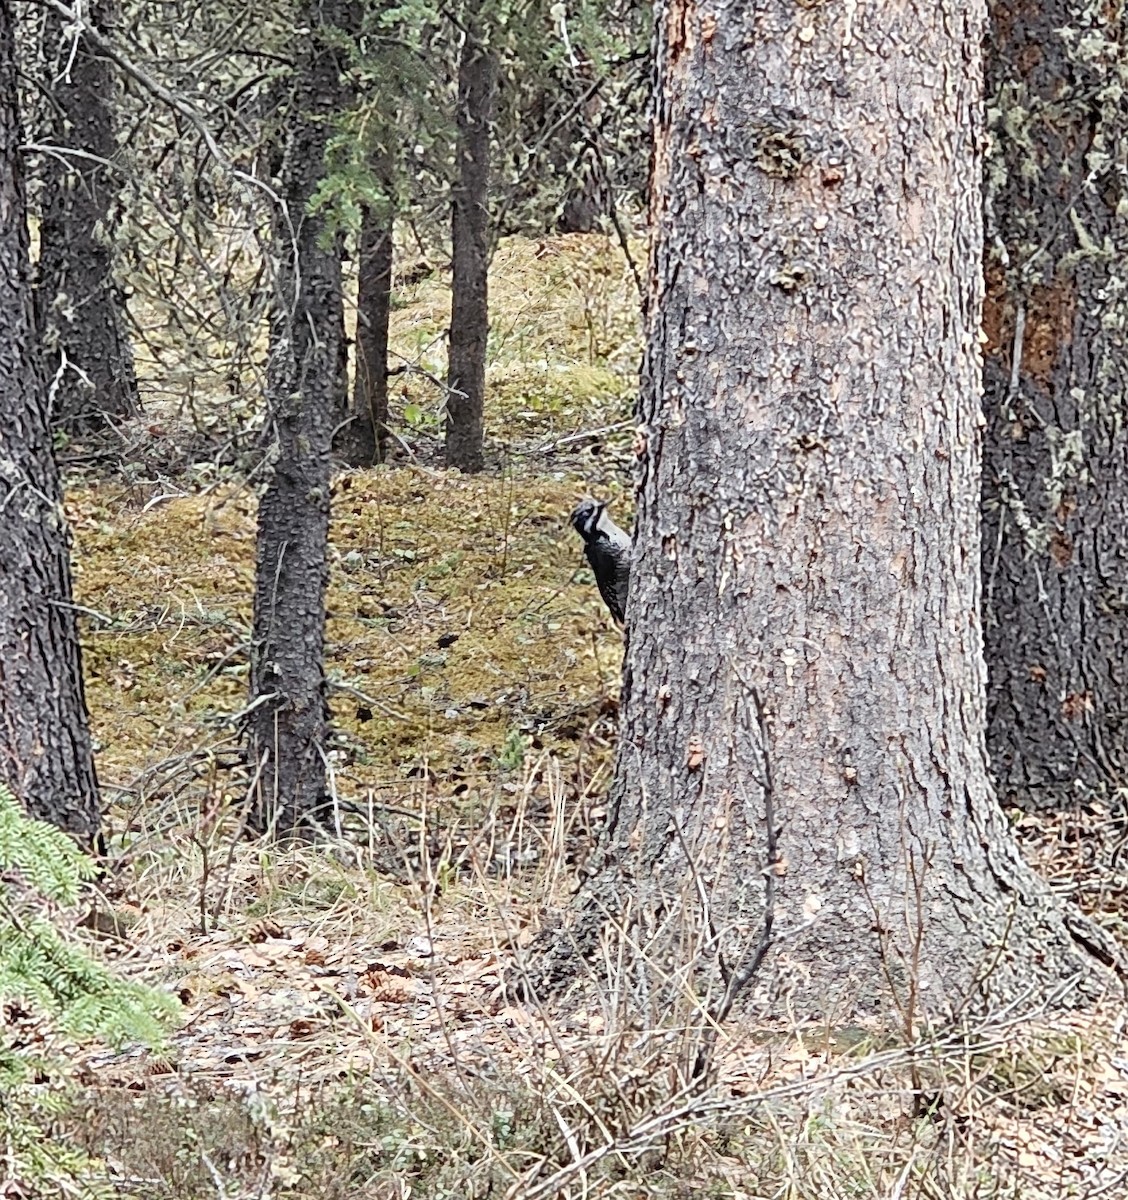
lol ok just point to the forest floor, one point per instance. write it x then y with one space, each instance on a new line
346 1031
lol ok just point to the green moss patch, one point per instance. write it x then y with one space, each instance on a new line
464 628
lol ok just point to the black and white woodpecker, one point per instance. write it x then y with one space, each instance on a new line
608 549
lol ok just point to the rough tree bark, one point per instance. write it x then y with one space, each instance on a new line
1055 486
288 719
80 306
363 440
802 745
45 752
471 244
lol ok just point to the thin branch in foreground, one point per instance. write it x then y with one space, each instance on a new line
178 104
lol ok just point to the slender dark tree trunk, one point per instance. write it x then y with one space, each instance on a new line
471 243
362 441
288 721
45 753
1055 485
802 751
80 306
586 202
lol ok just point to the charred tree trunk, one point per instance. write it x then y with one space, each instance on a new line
288 721
45 753
80 306
587 201
1055 486
363 440
471 244
803 700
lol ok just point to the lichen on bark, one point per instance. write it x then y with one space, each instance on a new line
1055 484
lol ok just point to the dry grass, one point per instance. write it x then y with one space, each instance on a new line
347 1030
347 1033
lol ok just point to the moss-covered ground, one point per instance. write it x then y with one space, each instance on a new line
462 623
463 630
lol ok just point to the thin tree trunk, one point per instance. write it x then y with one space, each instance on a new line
288 722
471 244
80 306
363 440
45 753
586 201
1055 485
802 753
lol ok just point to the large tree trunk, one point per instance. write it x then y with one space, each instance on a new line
1055 487
803 703
81 308
288 721
363 439
471 244
45 753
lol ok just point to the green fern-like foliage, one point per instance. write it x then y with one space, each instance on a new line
46 858
58 981
41 969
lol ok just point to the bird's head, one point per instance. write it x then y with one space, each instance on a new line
586 517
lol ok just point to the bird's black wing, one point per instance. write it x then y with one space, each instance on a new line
612 576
